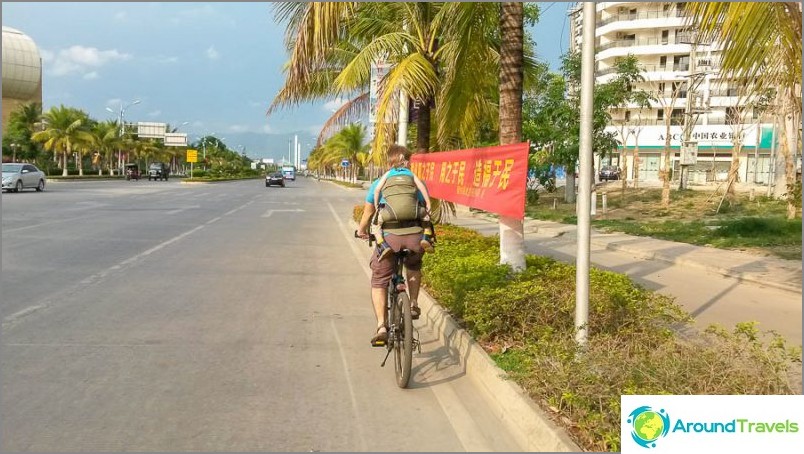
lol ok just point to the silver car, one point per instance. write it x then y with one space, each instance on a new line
18 176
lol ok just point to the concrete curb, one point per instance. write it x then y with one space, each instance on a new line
641 253
531 427
695 264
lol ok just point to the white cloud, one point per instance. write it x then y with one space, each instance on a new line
335 104
238 128
213 54
81 60
267 129
155 113
121 15
91 75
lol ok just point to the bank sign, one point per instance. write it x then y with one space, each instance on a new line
672 424
712 136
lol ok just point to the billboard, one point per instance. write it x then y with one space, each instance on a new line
151 130
175 139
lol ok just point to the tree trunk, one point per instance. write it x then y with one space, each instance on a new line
423 127
64 167
636 163
512 235
569 187
664 169
791 143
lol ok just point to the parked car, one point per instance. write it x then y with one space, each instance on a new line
609 173
18 176
158 171
275 179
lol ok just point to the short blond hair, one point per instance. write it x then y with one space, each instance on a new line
397 154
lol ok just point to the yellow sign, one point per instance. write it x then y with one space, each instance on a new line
192 155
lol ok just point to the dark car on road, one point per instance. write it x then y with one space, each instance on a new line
158 171
275 179
609 173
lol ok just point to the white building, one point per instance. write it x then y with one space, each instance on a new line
655 33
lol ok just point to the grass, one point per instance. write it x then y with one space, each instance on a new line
692 217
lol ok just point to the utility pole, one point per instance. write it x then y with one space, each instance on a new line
585 170
689 149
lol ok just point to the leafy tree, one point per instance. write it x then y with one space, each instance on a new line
64 128
22 123
761 45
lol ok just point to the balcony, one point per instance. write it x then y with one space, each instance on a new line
620 43
641 15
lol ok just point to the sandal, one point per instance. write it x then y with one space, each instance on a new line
383 249
415 312
380 338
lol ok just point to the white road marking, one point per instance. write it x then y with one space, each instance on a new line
459 417
270 212
82 218
359 424
97 277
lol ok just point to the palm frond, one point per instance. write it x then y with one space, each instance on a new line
352 109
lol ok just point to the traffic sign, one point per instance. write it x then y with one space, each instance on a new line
192 155
345 163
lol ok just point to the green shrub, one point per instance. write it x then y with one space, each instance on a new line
357 212
635 345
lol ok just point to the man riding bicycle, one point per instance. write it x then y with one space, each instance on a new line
398 235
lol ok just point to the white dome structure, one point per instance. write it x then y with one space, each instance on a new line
22 65
22 71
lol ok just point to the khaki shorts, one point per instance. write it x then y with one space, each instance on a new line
381 271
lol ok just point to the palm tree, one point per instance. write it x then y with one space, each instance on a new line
22 123
107 139
512 236
63 129
761 45
442 54
350 143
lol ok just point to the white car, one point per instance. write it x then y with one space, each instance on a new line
18 176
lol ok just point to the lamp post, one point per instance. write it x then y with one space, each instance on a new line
121 118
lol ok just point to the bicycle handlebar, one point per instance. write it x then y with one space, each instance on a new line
371 238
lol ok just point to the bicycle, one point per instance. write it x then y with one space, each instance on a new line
399 320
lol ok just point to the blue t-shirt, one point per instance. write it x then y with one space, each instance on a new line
392 172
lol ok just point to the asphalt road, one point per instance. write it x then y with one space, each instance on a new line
160 316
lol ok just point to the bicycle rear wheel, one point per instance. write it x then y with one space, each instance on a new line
403 344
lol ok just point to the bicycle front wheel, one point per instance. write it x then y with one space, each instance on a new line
403 344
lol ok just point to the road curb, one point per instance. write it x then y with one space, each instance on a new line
533 429
612 246
695 264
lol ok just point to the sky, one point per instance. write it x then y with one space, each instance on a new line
216 66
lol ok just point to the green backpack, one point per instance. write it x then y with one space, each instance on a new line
401 209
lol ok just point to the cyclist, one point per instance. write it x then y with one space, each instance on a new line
399 236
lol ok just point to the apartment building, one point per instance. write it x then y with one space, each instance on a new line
683 77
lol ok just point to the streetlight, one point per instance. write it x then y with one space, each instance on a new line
122 126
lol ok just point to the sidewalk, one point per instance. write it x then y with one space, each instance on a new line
745 267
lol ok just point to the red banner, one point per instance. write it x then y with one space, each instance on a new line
491 179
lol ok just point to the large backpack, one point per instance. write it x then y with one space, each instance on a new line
401 201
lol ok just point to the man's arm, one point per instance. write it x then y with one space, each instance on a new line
423 189
378 190
368 211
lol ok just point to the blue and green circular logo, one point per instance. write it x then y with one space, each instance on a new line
648 425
